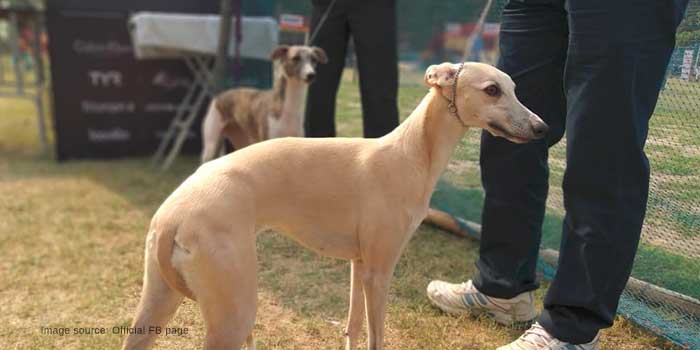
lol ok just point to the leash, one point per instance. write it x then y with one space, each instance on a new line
311 38
452 106
477 30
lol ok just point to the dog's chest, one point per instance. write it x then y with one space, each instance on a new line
288 118
284 125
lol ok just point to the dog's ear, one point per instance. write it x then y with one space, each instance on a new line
440 75
319 54
279 52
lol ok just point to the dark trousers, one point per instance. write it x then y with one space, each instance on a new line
592 69
372 24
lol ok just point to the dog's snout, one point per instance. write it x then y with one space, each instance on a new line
310 77
539 128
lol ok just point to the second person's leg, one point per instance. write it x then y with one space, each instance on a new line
332 37
373 26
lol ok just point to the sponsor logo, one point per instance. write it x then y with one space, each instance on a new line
162 107
107 107
108 135
169 81
291 20
108 78
110 48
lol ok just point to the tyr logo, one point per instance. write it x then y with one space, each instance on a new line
109 78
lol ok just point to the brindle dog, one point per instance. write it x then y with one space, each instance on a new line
246 116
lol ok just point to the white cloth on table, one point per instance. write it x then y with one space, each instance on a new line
168 35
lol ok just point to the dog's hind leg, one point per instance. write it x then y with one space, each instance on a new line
158 302
212 129
357 306
223 277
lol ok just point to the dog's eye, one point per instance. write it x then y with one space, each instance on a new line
296 58
492 90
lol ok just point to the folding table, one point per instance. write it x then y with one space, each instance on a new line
194 39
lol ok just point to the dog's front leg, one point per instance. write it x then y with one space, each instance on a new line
357 306
376 287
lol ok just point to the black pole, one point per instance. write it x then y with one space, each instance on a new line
219 75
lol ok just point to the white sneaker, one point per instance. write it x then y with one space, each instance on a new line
537 338
465 298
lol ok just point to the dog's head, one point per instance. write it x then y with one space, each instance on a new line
485 98
299 62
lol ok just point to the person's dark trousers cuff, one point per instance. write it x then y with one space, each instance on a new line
568 325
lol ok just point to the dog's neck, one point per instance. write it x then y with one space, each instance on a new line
430 135
289 95
279 88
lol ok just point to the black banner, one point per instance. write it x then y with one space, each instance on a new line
107 104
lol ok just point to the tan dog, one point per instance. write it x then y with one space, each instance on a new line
349 198
246 116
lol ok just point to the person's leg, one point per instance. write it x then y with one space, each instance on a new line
373 27
533 44
618 53
332 37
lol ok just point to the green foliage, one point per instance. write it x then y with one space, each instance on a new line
294 7
689 30
688 38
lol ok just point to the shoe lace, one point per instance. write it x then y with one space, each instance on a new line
537 336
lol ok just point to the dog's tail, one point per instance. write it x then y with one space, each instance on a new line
165 242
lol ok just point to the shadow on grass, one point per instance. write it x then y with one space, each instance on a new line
133 179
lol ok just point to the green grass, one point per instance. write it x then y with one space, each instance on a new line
668 270
72 235
674 163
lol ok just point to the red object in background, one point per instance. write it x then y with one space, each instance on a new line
26 39
455 36
453 39
293 23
